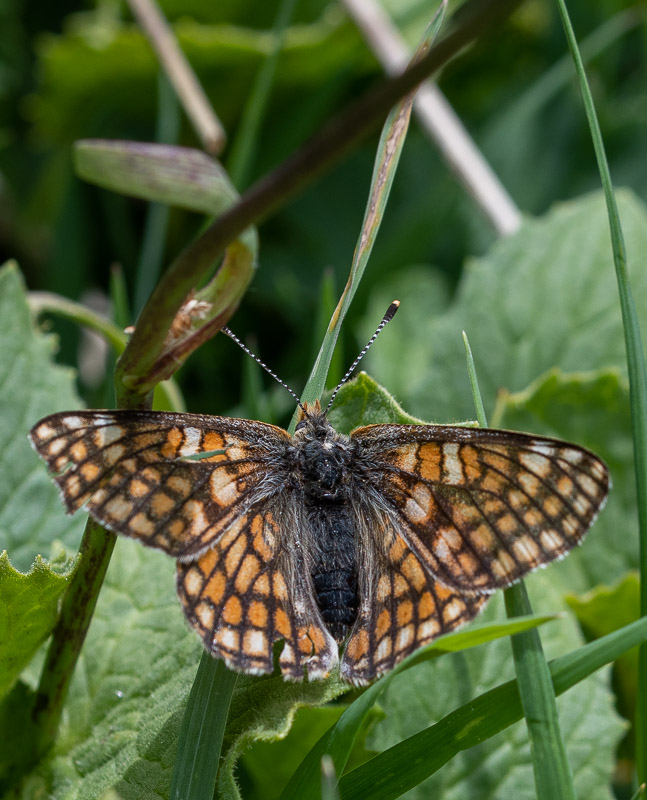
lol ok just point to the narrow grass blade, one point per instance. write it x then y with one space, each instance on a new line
202 731
337 742
407 764
636 370
386 161
553 775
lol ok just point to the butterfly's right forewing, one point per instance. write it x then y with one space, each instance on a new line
133 471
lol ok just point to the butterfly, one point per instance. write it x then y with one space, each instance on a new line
375 543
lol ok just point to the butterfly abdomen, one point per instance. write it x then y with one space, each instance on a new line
334 570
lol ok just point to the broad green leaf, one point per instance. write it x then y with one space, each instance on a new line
31 386
605 609
593 410
543 298
29 604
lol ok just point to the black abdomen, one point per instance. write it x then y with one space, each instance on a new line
334 571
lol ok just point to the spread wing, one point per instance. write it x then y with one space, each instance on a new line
480 507
250 590
402 607
134 471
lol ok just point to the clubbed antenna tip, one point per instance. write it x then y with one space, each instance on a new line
390 313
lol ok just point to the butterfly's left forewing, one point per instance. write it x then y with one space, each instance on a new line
481 507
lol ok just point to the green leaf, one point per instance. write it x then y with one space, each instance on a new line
31 514
542 298
605 609
29 605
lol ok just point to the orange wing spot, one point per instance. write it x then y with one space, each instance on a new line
469 564
173 441
248 571
206 614
453 610
383 623
78 451
552 506
262 585
565 486
507 524
215 588
317 637
257 615
176 527
161 504
358 645
282 623
413 572
232 613
179 484
261 547
141 525
304 642
280 589
405 613
397 550
400 586
497 462
193 581
118 508
493 507
406 457
150 474
526 550
430 455
471 465
492 483
483 539
426 606
213 441
138 488
529 483
73 486
90 472
533 517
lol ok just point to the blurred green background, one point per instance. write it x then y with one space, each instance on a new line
74 70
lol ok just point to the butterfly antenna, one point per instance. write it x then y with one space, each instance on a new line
390 313
233 336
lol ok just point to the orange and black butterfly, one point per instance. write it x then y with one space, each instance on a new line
381 540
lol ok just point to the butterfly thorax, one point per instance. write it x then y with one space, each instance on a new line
324 460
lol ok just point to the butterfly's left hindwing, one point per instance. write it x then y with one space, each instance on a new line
132 470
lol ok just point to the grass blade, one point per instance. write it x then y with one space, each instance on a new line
553 775
408 763
636 370
386 161
202 731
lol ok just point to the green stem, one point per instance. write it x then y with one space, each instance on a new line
69 634
553 776
323 150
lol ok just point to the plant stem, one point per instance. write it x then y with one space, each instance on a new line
69 634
